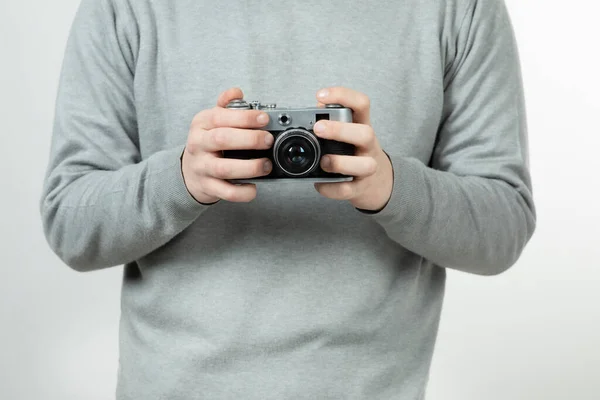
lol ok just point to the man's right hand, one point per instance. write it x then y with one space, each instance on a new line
205 171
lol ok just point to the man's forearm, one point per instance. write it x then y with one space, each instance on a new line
471 208
101 219
470 223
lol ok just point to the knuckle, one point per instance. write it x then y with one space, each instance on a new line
200 168
334 127
371 166
250 118
198 118
364 102
192 145
218 137
215 118
330 128
195 167
369 135
221 170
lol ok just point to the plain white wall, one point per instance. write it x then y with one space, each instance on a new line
532 333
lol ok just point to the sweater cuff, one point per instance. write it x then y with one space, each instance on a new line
169 191
406 205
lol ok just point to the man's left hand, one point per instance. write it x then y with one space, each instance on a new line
370 166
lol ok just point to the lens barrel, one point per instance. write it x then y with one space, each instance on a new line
296 152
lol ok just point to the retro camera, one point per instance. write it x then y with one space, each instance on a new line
297 151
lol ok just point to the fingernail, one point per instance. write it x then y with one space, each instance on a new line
269 139
268 165
326 162
323 93
319 127
262 118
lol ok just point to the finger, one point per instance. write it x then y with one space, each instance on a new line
223 117
360 167
229 95
359 135
337 191
230 168
228 191
232 139
358 102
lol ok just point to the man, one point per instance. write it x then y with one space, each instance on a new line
281 291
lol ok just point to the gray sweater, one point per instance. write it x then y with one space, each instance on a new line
291 296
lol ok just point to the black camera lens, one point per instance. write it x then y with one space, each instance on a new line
296 152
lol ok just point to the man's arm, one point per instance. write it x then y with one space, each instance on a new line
101 205
472 209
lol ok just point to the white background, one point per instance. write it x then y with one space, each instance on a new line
531 333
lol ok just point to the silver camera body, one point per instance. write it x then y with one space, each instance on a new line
297 151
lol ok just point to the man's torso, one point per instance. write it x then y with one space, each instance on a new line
292 295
